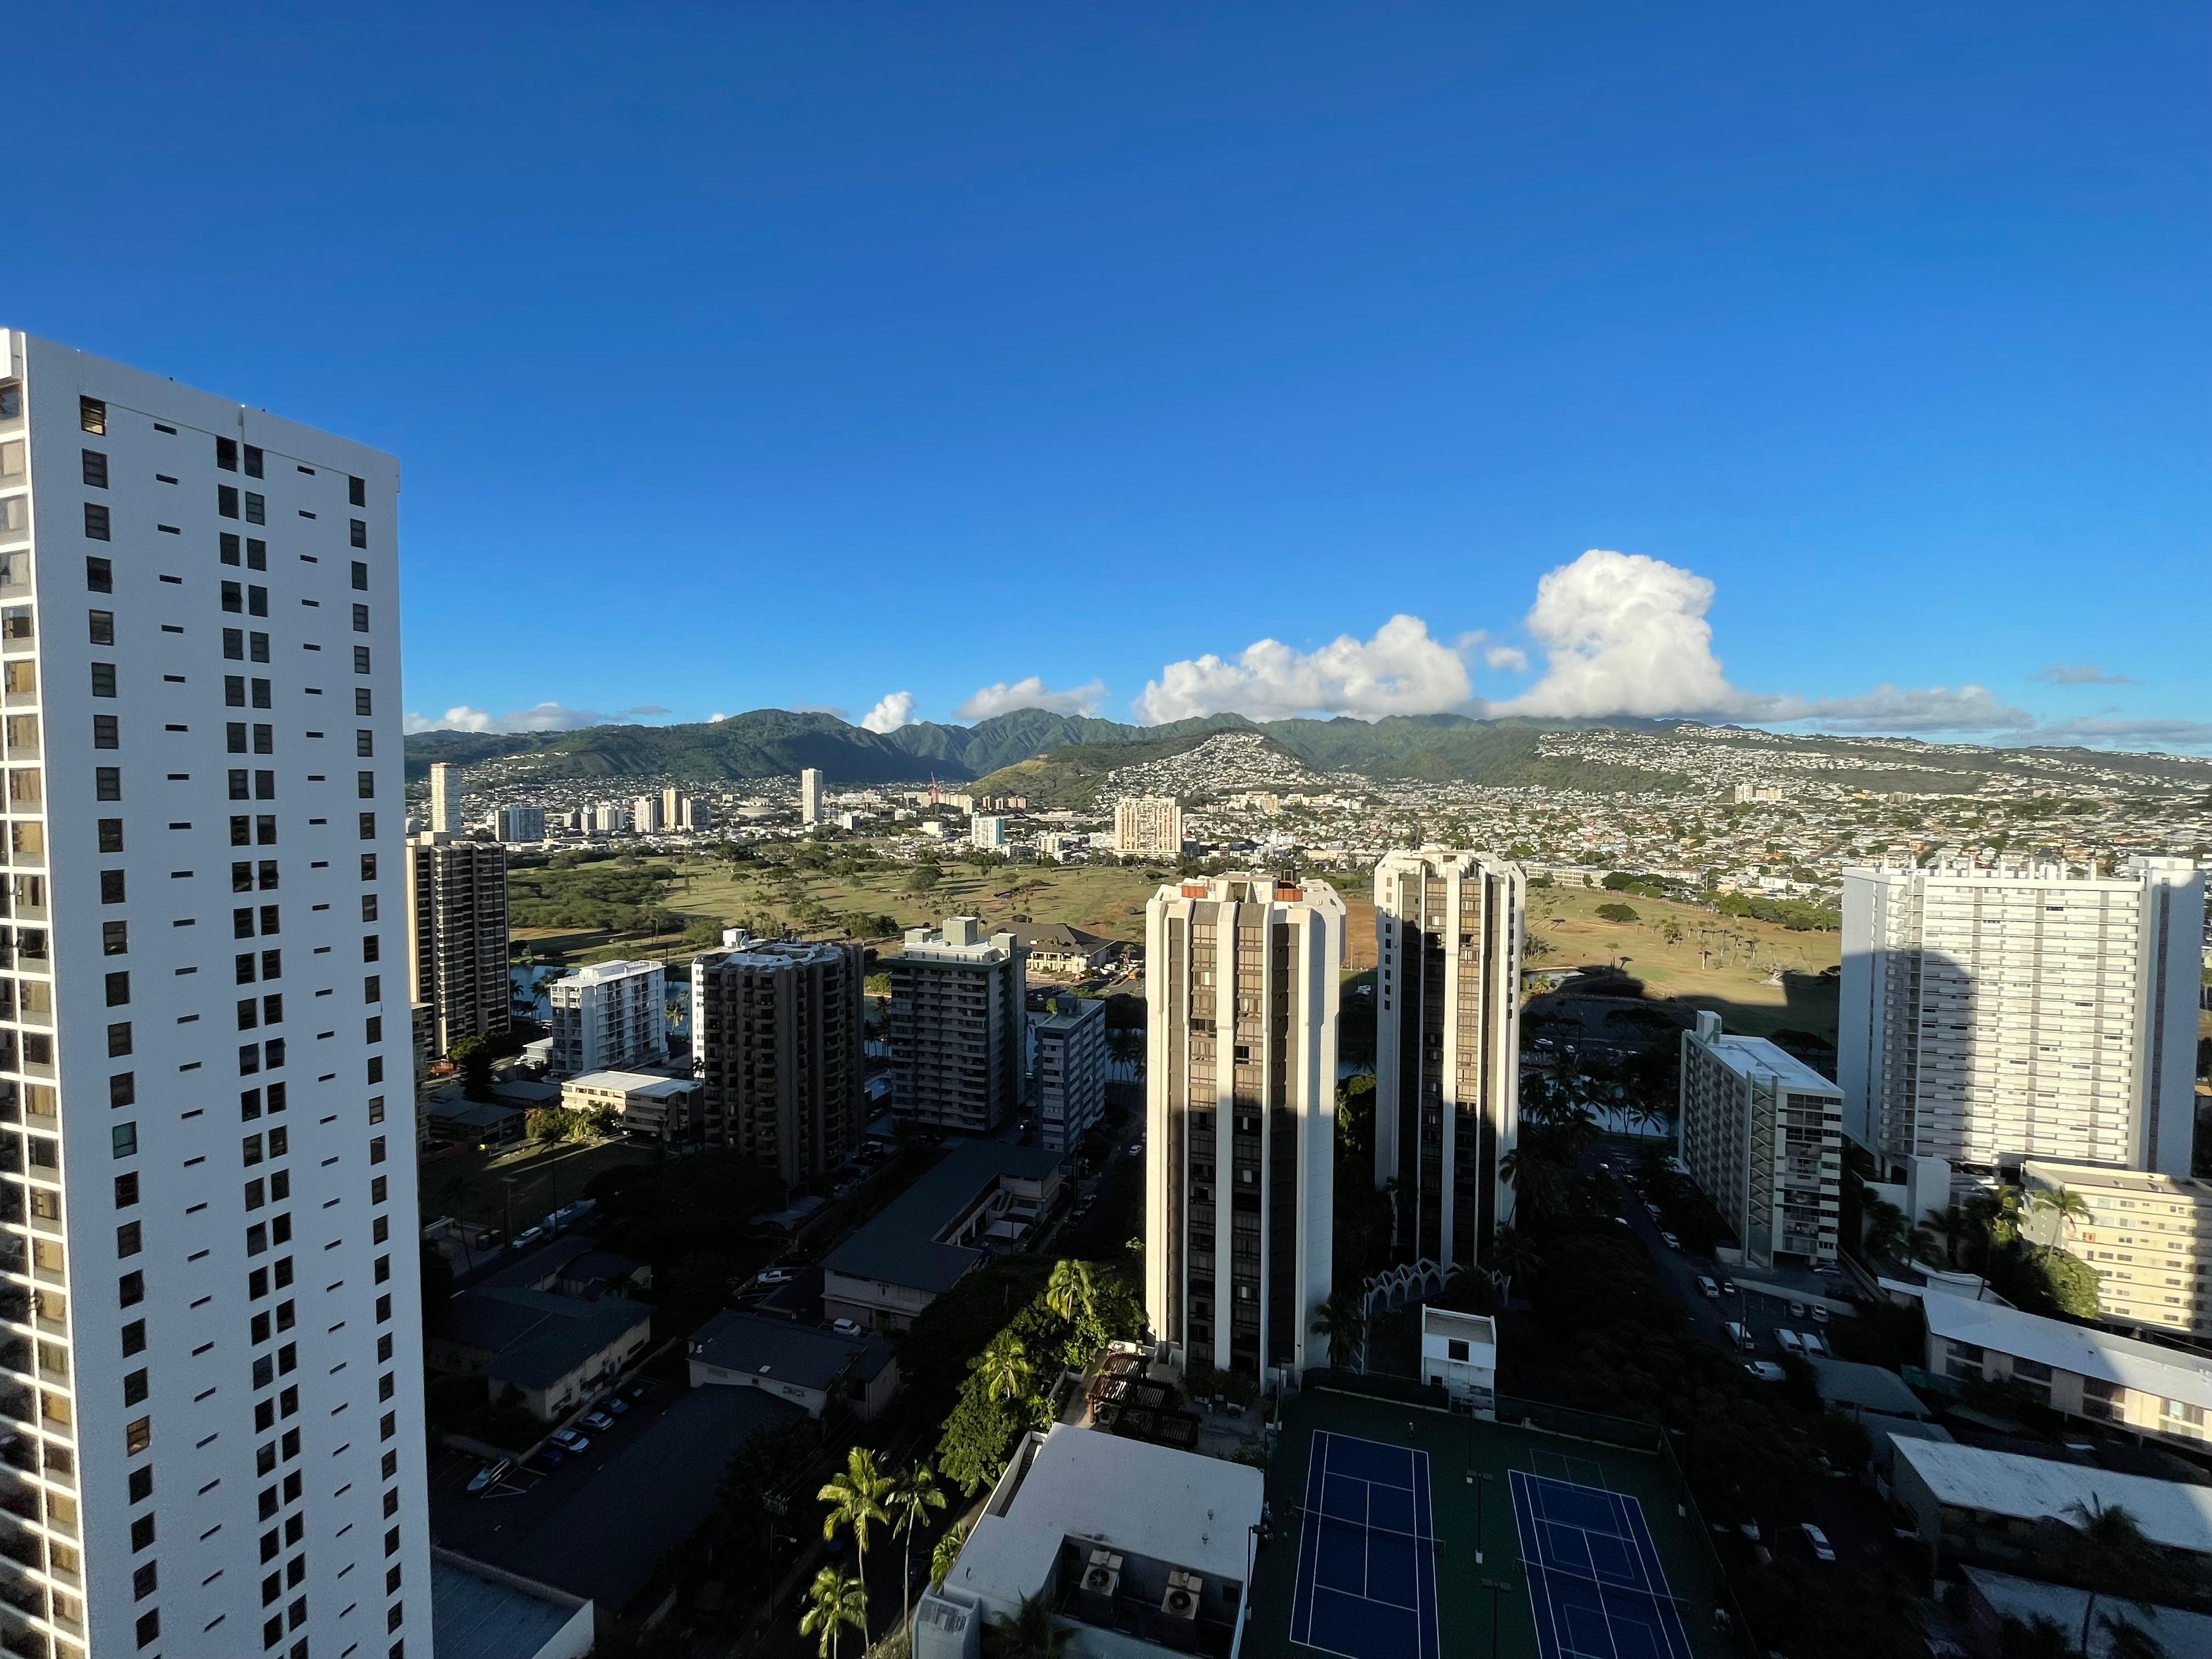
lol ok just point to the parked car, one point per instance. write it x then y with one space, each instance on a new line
1817 1541
1728 1288
1819 1316
545 1460
1814 1347
1712 1291
1750 1529
1671 1242
847 1327
637 1390
1797 1310
773 1276
1765 1371
1788 1341
1737 1335
490 1476
599 1420
569 1441
615 1403
528 1236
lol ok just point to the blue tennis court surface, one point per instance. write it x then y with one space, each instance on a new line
1367 1553
1594 1582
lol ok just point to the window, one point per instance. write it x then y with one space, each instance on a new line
264 739
99 574
368 870
360 533
110 836
361 619
360 575
92 414
364 784
134 1338
257 601
233 597
123 1091
119 1040
149 1628
95 522
95 469
107 783
134 1388
368 906
225 453
131 1289
257 648
126 1190
227 546
364 744
234 644
360 659
118 988
257 554
376 1155
264 785
226 500
240 788
111 887
254 460
107 732
357 489
257 509
141 1483
369 826
103 673
261 699
268 919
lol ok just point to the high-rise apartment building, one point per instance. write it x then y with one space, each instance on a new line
457 937
1241 993
519 824
1068 1042
445 799
645 816
957 1004
810 795
1989 1014
1447 931
778 1033
209 1305
610 1017
988 829
1151 824
2147 1236
1762 1135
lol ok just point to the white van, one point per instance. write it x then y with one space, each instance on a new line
1737 1335
1787 1339
1814 1347
1712 1291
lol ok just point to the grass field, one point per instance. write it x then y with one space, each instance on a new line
472 1185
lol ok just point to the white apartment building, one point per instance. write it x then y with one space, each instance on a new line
612 1017
1997 1013
987 830
1762 1134
209 1330
445 799
520 825
1148 825
2147 1236
1068 1044
955 1023
609 819
1240 994
1447 931
810 795
645 816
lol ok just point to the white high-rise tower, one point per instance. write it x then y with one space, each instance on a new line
445 799
810 795
210 1337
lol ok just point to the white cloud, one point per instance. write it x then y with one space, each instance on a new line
1402 671
1031 693
1624 634
2101 729
716 720
822 709
545 717
2078 673
1507 659
894 710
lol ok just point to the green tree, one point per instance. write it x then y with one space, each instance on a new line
835 1600
856 1500
972 1451
2109 1554
1883 1229
1071 1290
913 1492
1032 1631
946 1555
1619 913
2061 1207
1954 1226
1005 1369
1343 1321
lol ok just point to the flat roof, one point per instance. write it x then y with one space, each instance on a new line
535 1337
480 1614
2166 1372
631 1082
900 1246
2181 1635
787 1353
2170 1512
1869 1388
601 973
1181 1508
2136 1183
1748 1053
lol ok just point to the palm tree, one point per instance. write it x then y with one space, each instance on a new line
2126 1639
1953 1226
1540 1185
2110 1554
1032 1632
1071 1290
1005 1367
1885 1227
943 1557
914 1493
1343 1321
856 1500
834 1600
2067 1206
1509 1256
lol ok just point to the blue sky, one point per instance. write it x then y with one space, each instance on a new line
810 354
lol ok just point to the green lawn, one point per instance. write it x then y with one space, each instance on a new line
473 1186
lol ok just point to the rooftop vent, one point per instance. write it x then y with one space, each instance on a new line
1181 1600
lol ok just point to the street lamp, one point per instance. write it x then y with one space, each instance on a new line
1497 1586
1481 1483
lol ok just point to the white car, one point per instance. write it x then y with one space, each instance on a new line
490 1476
1817 1541
569 1441
1765 1371
847 1327
772 1276
1819 1316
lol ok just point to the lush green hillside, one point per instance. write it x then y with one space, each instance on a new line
1072 777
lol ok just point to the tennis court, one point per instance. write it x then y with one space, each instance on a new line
1366 1586
1595 1586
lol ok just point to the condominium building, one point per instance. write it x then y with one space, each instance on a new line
810 795
1447 931
457 942
210 1356
959 1001
2147 1236
988 829
519 824
645 816
1069 1044
1762 1134
1240 994
778 1038
1148 825
609 819
1994 1013
610 1017
445 799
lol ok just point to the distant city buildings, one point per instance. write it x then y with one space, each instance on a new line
2147 1236
810 795
1447 931
987 830
445 799
1241 996
957 1004
777 1037
520 824
457 937
1764 794
609 1017
1148 825
1762 1136
1069 1044
1994 1013
645 816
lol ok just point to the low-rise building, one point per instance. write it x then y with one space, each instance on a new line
1058 950
608 1016
1069 1044
1460 1351
662 1108
2147 1236
1136 1547
2071 1368
1762 1134
481 1612
810 1367
1999 1506
988 829
983 1195
554 1350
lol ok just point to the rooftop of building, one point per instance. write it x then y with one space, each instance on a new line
2169 1373
2093 1178
2170 1512
1252 888
2026 1599
1064 1013
1866 1388
1755 1053
802 1355
1053 936
605 973
741 950
478 1612
536 1338
900 1246
960 939
633 1083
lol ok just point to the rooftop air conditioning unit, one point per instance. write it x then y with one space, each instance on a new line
1181 1600
1104 1576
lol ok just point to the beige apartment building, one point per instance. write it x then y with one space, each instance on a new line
2148 1238
1148 825
458 936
